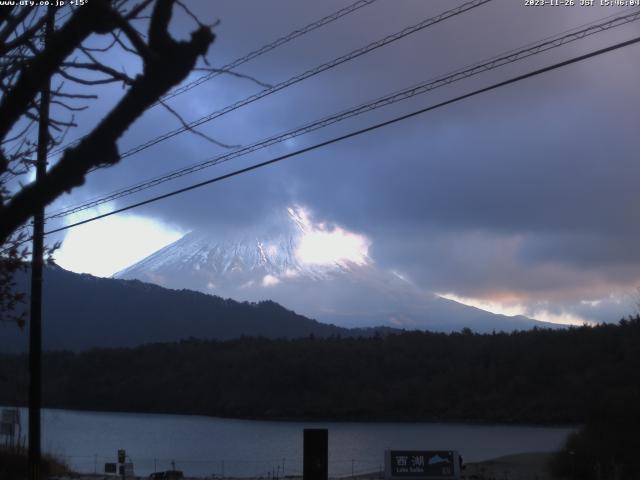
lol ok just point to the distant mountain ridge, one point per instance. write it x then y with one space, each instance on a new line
261 265
82 312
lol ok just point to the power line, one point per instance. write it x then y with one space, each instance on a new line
425 87
250 56
267 48
358 132
310 73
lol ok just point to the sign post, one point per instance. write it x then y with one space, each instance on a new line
421 465
122 455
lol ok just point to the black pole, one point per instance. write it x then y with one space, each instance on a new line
315 454
37 261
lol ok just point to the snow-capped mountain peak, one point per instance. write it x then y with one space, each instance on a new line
319 270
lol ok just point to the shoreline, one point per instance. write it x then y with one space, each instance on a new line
518 466
432 421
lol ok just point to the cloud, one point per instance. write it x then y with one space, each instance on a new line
527 193
112 244
270 280
327 245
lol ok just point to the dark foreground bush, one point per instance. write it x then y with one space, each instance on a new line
13 465
606 448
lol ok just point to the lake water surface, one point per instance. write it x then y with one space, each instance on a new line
206 446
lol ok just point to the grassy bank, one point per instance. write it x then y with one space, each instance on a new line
13 464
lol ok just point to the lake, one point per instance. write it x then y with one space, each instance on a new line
207 446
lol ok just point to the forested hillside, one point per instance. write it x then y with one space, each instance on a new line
539 376
83 312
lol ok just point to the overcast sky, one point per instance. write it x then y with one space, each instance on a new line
520 200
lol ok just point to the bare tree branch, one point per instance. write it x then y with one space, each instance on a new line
134 37
123 45
95 16
135 11
186 125
26 34
19 134
234 74
98 67
71 108
12 24
74 95
166 64
99 49
84 81
190 13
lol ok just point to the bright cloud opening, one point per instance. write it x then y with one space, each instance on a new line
518 308
270 280
563 318
320 244
488 305
111 244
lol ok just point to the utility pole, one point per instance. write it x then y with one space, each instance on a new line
37 262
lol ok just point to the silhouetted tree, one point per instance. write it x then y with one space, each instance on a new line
576 376
70 57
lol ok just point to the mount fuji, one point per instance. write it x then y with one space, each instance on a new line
318 270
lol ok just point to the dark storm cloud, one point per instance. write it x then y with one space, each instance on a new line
570 201
530 189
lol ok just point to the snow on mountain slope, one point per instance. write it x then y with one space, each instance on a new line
320 271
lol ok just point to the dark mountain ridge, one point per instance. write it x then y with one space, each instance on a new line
82 311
